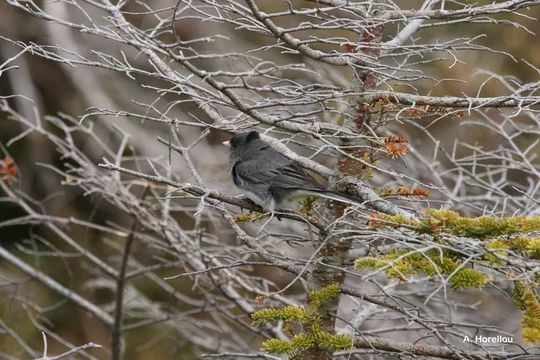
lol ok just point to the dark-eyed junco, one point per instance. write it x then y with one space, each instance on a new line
269 178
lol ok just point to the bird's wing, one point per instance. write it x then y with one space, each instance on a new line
276 170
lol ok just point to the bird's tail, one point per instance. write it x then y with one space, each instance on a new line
337 196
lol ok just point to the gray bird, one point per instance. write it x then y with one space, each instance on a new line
269 178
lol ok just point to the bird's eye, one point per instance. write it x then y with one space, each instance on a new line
252 136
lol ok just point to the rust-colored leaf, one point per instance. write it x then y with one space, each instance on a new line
350 48
375 220
8 169
396 151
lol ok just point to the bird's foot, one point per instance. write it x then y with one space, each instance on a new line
251 204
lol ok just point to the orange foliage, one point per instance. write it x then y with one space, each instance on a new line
396 151
403 191
412 192
393 148
8 169
394 139
375 220
350 48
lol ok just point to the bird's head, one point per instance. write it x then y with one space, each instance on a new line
242 145
241 140
244 139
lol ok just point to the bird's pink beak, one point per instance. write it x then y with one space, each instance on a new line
227 143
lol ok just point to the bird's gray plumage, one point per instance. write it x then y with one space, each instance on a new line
269 178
